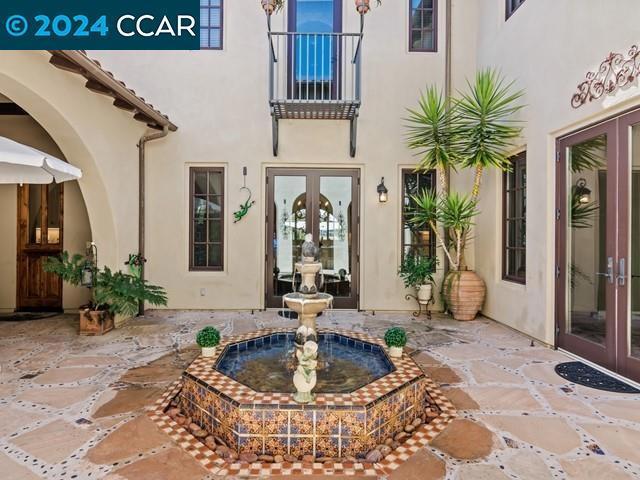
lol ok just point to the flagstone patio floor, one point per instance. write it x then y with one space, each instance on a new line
73 407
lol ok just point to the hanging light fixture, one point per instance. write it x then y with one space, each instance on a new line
382 192
284 220
88 271
582 192
341 221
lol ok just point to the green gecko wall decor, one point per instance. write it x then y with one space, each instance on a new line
244 207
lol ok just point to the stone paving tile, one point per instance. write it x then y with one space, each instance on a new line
620 441
528 466
128 400
172 464
421 466
137 435
442 374
480 472
14 471
460 399
504 398
61 397
543 372
465 440
622 409
485 372
592 469
85 361
13 419
549 433
66 375
526 418
53 442
561 402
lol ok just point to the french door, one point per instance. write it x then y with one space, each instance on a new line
314 49
324 203
598 244
40 234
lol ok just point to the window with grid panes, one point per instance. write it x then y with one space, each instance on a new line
207 219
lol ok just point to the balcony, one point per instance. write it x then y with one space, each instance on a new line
315 76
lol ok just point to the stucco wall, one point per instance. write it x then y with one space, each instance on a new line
92 135
219 100
77 231
547 47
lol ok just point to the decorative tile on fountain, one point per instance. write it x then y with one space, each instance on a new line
334 426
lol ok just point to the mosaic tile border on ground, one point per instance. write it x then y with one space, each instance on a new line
372 396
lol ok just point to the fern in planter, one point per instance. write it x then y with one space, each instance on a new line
117 292
416 270
122 292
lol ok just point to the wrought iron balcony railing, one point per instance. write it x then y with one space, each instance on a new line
315 76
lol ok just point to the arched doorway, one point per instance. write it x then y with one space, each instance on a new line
37 219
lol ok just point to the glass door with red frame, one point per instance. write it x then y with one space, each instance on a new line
586 244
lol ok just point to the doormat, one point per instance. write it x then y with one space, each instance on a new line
582 374
290 314
20 316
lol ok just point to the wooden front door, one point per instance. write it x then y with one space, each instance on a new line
40 234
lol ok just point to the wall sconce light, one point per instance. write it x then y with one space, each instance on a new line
582 192
382 192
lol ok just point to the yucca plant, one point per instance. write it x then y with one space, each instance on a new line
454 212
477 130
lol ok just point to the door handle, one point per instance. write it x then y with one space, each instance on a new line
622 274
609 273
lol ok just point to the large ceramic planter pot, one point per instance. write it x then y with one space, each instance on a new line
464 293
424 293
95 322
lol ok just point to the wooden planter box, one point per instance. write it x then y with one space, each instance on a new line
95 322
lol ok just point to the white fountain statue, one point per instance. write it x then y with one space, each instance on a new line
304 378
307 302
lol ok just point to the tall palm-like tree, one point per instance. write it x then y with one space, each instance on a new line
484 122
476 132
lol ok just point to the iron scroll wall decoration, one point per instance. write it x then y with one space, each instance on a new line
244 208
617 71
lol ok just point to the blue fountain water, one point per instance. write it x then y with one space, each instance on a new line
266 364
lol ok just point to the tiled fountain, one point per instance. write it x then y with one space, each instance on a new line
241 412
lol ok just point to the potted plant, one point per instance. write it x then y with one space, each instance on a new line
112 293
475 131
417 271
208 339
271 6
396 339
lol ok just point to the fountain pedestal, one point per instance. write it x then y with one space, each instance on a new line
307 302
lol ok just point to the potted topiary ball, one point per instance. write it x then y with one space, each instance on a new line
396 339
208 339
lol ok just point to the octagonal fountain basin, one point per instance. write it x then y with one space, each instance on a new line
266 364
235 413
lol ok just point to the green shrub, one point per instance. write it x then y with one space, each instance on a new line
118 292
395 337
208 337
417 270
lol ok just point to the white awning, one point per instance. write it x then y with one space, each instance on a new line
23 164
